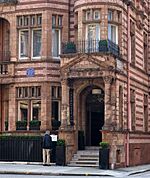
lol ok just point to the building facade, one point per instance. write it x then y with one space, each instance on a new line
82 62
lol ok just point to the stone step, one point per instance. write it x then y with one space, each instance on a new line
84 161
92 148
86 158
83 165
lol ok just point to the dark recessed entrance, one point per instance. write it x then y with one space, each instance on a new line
94 116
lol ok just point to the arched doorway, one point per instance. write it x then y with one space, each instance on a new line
94 116
91 110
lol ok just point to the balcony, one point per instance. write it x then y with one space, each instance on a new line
91 46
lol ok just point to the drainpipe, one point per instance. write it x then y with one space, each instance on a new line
128 84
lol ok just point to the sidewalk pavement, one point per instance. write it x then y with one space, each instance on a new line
39 169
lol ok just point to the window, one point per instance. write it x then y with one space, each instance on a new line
145 46
96 15
56 95
29 108
56 42
53 20
88 15
93 37
113 33
56 35
29 35
132 102
23 44
110 15
59 20
120 107
29 92
36 110
146 112
23 110
132 36
36 45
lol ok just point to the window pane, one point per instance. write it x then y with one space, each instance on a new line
110 15
24 44
23 110
55 42
96 15
113 33
59 20
55 110
36 43
53 20
36 110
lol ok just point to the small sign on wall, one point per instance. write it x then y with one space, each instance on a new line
30 72
54 138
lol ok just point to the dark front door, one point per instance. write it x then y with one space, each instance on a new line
96 126
94 119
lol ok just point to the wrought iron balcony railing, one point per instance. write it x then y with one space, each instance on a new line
91 46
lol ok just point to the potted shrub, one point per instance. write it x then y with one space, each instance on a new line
69 47
34 125
6 125
103 45
60 152
81 144
104 155
21 125
55 124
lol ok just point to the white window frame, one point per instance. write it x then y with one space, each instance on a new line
37 57
59 46
23 58
87 27
112 25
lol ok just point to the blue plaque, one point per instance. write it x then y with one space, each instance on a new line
30 72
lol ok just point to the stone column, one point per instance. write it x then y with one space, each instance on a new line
108 107
45 107
12 108
65 104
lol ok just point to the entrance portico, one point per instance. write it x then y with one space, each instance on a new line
86 98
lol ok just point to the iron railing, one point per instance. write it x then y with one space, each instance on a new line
91 46
23 148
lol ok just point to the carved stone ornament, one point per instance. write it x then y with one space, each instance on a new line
107 79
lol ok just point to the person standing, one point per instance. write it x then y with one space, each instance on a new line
47 147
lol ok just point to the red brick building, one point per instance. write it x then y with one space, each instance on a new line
83 62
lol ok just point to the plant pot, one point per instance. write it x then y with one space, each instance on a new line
34 127
81 145
104 158
21 128
60 155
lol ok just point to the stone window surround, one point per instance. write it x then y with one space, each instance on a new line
29 23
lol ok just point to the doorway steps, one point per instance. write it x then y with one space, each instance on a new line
86 158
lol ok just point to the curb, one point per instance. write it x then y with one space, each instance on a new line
53 174
138 172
